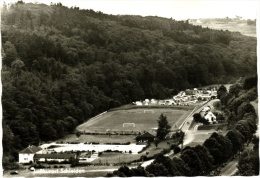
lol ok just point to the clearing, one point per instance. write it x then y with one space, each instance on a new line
144 119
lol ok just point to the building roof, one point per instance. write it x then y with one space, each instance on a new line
31 149
146 135
54 156
210 114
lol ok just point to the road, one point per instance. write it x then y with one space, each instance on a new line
230 168
190 135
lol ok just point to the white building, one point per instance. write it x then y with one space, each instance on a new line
210 117
53 157
27 154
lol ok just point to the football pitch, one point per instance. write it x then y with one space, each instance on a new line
134 120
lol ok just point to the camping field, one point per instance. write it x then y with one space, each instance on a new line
143 119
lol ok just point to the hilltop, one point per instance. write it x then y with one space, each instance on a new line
245 27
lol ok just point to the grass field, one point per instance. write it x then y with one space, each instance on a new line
143 121
99 138
243 28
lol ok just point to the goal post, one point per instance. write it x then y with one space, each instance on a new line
149 111
128 124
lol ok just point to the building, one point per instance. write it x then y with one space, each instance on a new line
210 117
206 109
27 154
53 157
146 137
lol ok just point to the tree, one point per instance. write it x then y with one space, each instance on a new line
17 66
157 169
163 127
193 161
180 168
205 157
225 99
250 82
8 138
177 149
244 108
197 117
140 171
248 164
214 149
225 145
221 91
246 129
78 134
220 117
47 132
235 89
156 141
237 140
10 53
126 171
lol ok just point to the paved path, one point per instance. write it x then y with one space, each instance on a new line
230 168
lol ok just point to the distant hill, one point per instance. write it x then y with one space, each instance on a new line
245 27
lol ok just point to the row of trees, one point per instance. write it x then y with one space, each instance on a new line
62 65
201 160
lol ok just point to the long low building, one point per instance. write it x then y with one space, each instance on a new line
97 147
53 157
27 154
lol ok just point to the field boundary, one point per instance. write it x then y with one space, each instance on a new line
88 127
90 120
129 107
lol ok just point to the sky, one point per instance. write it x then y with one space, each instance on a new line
176 9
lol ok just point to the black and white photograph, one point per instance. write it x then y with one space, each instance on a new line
129 88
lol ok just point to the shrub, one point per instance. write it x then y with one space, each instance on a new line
177 149
173 146
216 104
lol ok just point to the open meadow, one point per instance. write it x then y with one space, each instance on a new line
243 28
143 119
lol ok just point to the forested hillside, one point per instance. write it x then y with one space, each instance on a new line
61 65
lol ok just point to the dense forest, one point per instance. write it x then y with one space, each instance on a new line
206 159
61 65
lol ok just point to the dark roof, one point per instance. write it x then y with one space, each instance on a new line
146 135
54 156
31 149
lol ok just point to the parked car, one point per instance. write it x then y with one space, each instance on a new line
161 102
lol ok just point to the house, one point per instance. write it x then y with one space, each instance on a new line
27 154
206 109
53 157
146 137
210 117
